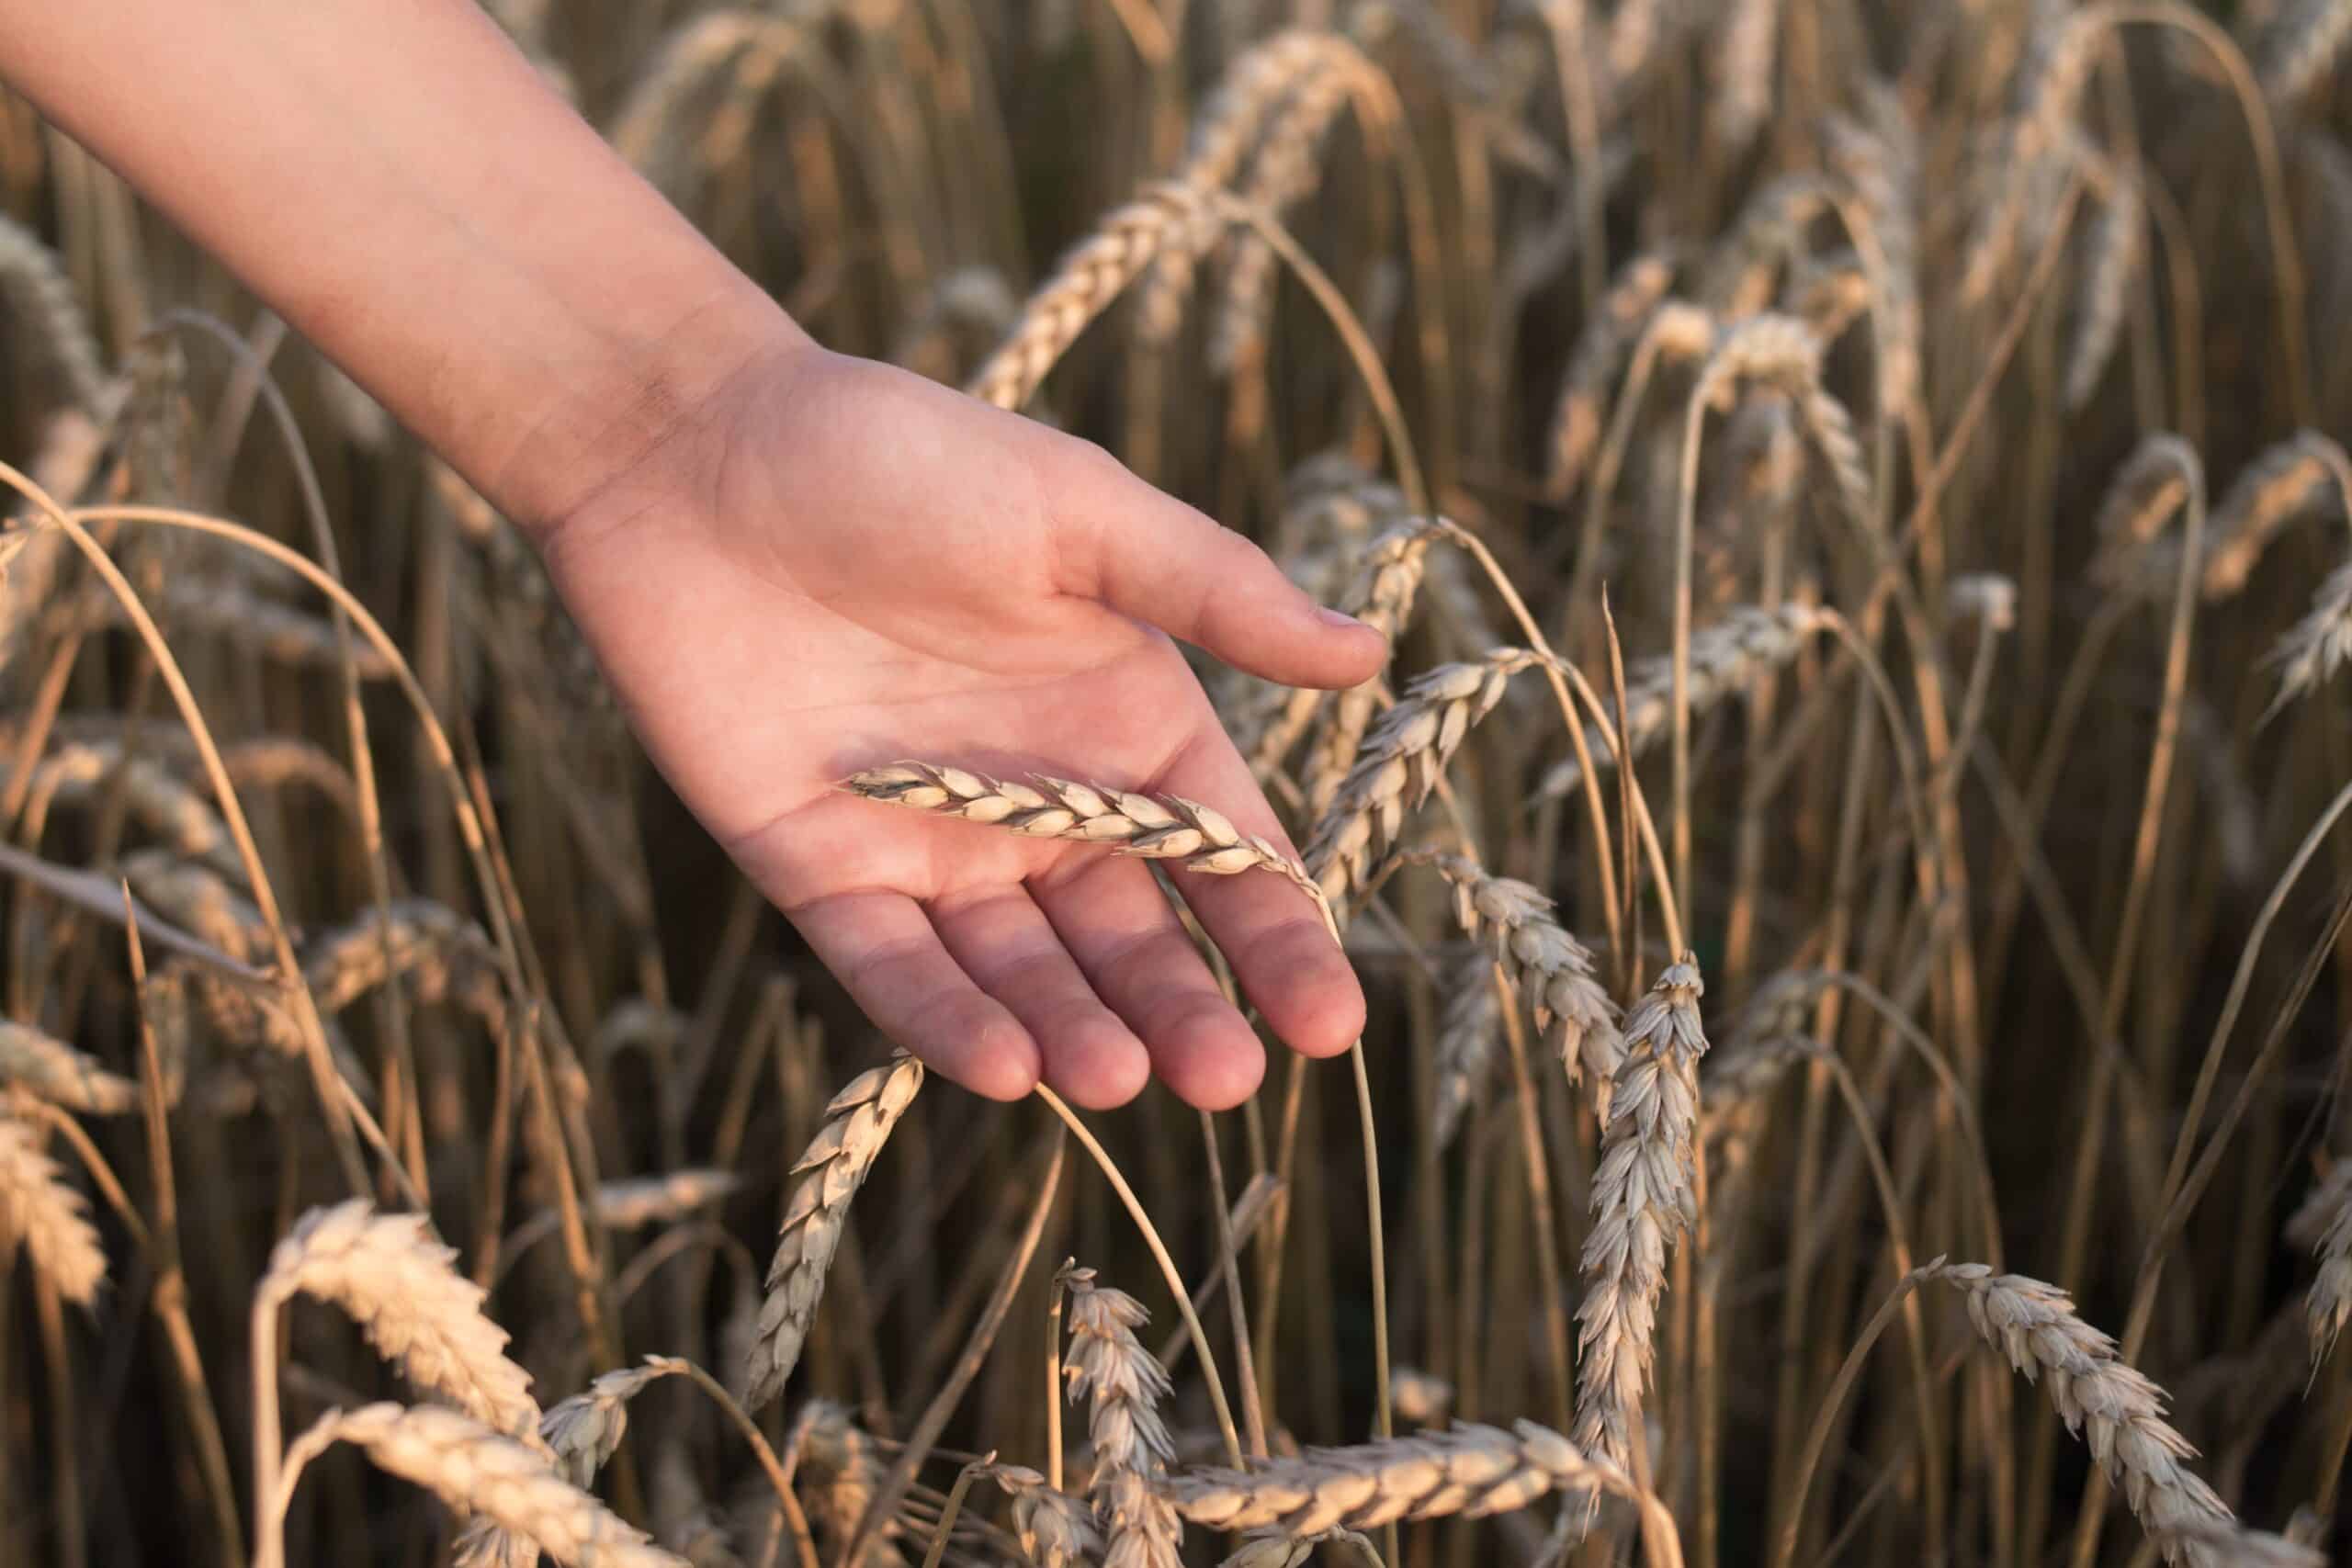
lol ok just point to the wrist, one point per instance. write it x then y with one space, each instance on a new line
634 406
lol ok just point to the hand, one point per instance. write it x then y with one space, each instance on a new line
827 564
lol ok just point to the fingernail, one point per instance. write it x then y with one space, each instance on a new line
1340 618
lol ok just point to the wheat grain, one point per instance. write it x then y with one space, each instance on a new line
388 1275
1724 659
829 1172
476 1471
2117 1412
49 1217
1643 1200
1472 1472
68 1078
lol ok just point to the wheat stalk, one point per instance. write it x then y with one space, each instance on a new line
1724 658
40 1209
1090 276
1403 758
476 1471
72 1079
2115 1411
1132 1447
1643 1198
829 1172
1551 967
388 1275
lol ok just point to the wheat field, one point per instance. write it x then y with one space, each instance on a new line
1846 857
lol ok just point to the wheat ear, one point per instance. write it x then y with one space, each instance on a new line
1472 1471
1402 759
2117 245
38 1208
1468 1032
387 1274
2115 1411
1132 1447
1185 832
1552 969
1724 659
652 1199
2278 486
1643 1198
829 1173
42 308
2317 646
476 1471
1593 364
2324 1224
1055 1529
1083 285
60 1075
1387 581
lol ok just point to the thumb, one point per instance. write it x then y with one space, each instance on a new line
1158 561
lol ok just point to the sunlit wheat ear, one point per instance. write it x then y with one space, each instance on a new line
2301 47
2302 475
1401 761
48 1216
1552 969
1090 276
1643 1200
1469 1035
1227 128
2117 245
828 1174
582 1433
1132 1448
475 1469
68 1078
655 1200
388 1275
2319 645
1055 1529
2147 491
1724 659
1183 832
2117 1412
1593 365
46 328
1471 1471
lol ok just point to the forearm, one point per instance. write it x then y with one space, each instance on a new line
394 179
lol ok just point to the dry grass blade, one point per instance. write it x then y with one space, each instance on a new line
40 1209
827 1175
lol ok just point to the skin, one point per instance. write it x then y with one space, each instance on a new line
792 563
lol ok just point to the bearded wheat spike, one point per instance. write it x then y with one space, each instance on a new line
58 1072
1056 1529
2317 646
388 1275
1552 968
1724 659
830 1171
1472 1472
1132 1447
1155 827
48 319
1643 1200
1599 352
2115 1411
1083 285
1402 759
39 1209
2287 481
2117 245
474 1469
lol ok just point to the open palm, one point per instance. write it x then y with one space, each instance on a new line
833 565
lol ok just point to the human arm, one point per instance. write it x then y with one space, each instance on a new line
792 564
